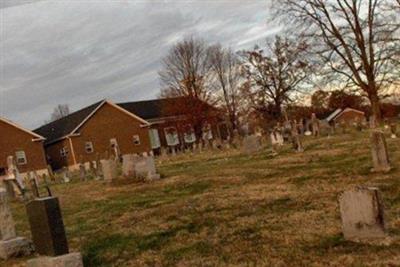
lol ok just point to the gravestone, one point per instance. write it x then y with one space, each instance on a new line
315 125
51 173
10 244
393 130
82 172
251 144
380 157
65 174
49 236
296 141
145 168
362 214
128 165
33 184
47 226
109 169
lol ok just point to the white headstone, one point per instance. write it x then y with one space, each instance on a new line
362 214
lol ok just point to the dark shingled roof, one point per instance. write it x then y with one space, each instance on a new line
151 109
162 108
64 126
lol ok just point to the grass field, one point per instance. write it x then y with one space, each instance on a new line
228 209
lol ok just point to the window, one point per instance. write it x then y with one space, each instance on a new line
89 147
154 138
64 152
171 135
20 157
189 135
136 140
113 142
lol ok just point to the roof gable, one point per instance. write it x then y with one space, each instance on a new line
36 136
70 124
59 129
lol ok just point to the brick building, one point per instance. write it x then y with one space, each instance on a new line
171 121
347 116
25 146
97 131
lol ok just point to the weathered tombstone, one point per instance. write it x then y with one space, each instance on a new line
51 173
393 130
380 157
13 174
145 168
10 244
251 144
173 151
49 236
82 172
109 169
33 184
65 175
296 142
128 165
362 214
315 125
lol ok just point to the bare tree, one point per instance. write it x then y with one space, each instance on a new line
225 66
276 74
357 39
60 111
186 70
186 73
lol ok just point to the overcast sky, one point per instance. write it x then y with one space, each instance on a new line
78 52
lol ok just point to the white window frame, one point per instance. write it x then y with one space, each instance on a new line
136 140
64 152
166 132
20 154
89 147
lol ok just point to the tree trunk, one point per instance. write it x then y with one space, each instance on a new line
375 107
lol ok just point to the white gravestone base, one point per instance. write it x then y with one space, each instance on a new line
16 247
67 260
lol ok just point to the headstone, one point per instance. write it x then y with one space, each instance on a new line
7 225
10 244
380 157
82 172
51 173
145 168
48 235
315 125
65 175
109 169
128 165
33 184
14 175
47 226
251 144
362 214
393 130
296 142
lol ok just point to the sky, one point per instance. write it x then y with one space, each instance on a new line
77 52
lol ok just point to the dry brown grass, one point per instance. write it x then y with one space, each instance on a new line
228 209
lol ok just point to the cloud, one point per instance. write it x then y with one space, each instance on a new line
77 52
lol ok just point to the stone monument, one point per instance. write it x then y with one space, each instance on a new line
48 235
380 157
10 244
362 214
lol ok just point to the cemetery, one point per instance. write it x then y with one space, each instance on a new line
267 202
199 133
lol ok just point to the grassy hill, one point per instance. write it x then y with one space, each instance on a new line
224 208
